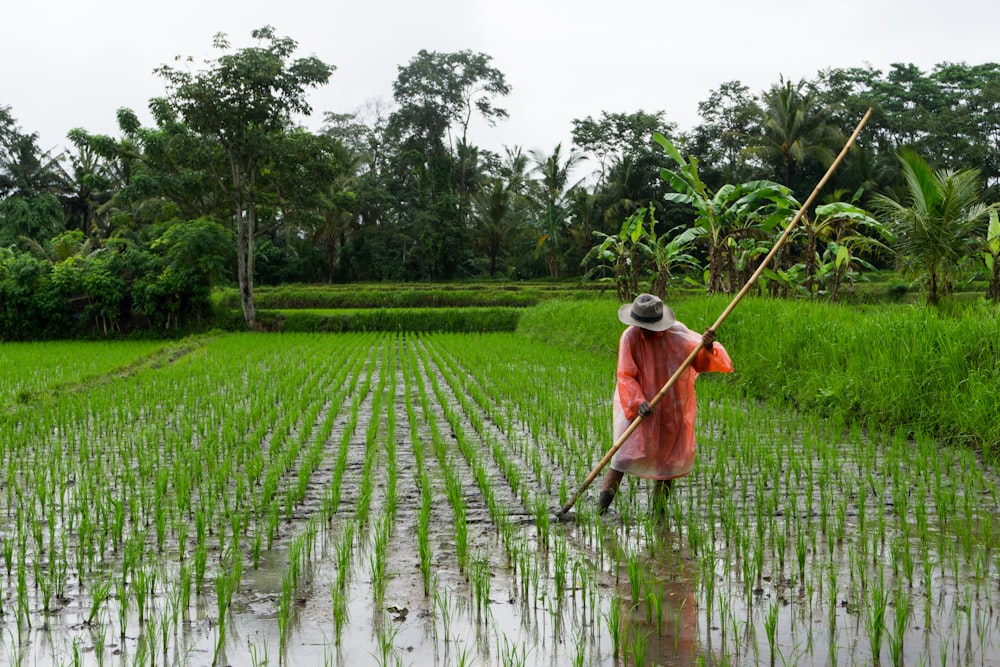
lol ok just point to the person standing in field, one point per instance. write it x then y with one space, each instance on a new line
653 346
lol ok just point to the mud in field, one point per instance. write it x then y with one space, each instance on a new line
767 556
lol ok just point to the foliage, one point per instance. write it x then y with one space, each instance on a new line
936 227
389 296
991 256
796 128
849 232
551 204
405 193
730 216
637 253
456 320
242 106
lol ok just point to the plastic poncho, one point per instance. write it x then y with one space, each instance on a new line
663 445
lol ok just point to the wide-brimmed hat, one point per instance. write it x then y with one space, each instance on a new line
648 312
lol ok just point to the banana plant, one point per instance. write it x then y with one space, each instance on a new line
991 256
852 231
618 253
667 255
745 210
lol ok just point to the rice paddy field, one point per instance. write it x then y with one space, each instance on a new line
389 499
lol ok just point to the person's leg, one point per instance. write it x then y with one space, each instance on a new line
612 479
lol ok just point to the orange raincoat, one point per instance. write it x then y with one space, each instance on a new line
663 445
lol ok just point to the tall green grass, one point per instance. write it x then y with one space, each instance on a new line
405 295
910 368
454 320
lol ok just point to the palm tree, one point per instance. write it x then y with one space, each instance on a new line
341 207
936 227
551 201
794 129
494 210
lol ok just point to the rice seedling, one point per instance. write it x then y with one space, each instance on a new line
443 606
614 620
511 653
481 585
874 616
901 616
770 627
638 646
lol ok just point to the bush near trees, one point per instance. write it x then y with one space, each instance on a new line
225 188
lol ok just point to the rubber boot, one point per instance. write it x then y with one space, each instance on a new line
604 501
608 490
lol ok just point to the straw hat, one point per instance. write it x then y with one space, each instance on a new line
647 312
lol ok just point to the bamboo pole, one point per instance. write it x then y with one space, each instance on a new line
722 318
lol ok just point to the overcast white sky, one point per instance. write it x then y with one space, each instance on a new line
66 64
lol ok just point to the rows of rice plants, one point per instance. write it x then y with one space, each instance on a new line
166 484
389 499
786 520
29 368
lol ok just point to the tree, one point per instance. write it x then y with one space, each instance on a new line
730 120
936 226
619 254
435 169
243 105
339 211
795 130
551 202
29 181
637 251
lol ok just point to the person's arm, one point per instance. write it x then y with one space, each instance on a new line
713 356
629 391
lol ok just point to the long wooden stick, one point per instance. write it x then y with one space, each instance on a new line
722 318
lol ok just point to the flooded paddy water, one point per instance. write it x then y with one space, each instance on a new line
389 500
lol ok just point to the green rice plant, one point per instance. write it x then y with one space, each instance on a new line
143 587
423 535
99 593
511 653
708 584
654 609
481 584
874 617
639 644
901 616
258 654
443 608
461 538
800 555
770 627
636 579
614 620
386 637
284 613
123 593
341 615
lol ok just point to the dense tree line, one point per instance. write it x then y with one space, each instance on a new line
135 229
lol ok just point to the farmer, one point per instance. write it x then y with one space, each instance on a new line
662 447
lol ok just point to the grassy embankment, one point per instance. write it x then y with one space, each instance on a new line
900 367
457 308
